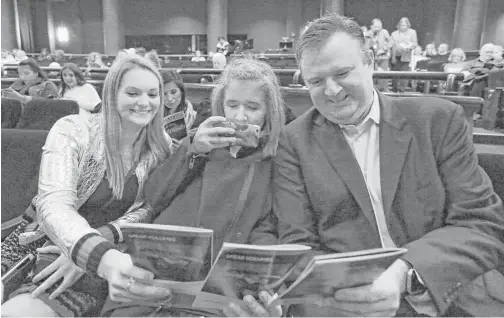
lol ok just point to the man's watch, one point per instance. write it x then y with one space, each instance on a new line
414 285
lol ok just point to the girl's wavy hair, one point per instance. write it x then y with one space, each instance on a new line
254 70
155 143
77 73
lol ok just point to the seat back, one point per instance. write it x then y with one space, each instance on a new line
493 164
43 113
21 154
11 112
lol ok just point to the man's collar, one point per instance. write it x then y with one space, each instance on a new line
373 115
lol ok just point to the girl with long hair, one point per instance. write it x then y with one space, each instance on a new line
92 177
74 87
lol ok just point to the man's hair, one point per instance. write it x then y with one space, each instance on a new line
320 30
254 70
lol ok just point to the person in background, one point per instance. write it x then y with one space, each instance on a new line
32 83
153 57
405 40
44 55
94 60
476 71
92 178
219 60
20 55
497 56
74 87
456 61
381 44
222 46
180 117
8 58
443 53
197 57
430 51
59 56
230 194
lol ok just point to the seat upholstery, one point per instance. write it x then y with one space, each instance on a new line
21 153
43 113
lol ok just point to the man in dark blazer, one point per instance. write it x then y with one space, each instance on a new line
362 170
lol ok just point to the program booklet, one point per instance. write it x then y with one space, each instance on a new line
242 269
180 257
283 271
325 274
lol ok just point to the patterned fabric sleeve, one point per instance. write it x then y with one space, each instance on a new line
57 196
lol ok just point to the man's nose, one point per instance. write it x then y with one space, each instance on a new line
332 88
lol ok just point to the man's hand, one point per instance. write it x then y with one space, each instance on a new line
381 298
254 308
62 267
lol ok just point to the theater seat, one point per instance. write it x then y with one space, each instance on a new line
11 112
43 113
493 164
21 153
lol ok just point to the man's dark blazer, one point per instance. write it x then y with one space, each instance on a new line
438 203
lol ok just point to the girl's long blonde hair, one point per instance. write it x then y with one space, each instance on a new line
155 143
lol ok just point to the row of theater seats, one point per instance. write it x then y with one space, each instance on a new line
21 153
40 114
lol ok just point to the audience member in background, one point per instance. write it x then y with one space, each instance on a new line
178 112
381 44
443 53
405 40
92 178
32 83
476 71
197 57
74 87
430 51
94 60
222 46
20 55
44 55
59 57
363 170
219 60
230 192
456 61
497 56
8 58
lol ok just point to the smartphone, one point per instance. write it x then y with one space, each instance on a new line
247 135
17 274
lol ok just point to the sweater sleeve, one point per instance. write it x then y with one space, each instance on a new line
57 196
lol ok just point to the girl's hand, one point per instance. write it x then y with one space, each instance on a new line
62 267
209 137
